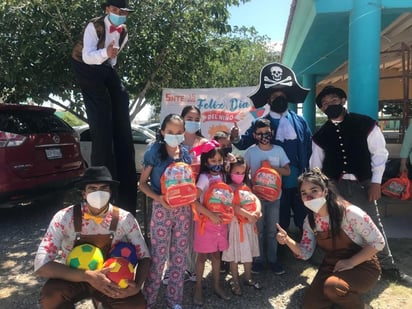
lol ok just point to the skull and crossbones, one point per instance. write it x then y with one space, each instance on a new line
276 72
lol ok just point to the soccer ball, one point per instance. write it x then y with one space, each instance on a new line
85 256
120 271
125 250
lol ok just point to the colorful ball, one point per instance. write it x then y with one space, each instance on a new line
85 256
121 270
125 250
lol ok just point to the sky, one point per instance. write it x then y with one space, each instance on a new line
269 17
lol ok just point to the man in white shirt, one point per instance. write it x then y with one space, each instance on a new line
351 150
106 99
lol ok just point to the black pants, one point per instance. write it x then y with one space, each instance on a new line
107 107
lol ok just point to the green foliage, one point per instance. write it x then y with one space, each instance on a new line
172 43
71 119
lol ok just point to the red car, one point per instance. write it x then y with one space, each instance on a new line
39 153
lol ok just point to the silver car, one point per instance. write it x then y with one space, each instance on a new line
141 138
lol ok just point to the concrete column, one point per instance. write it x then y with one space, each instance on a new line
309 106
364 57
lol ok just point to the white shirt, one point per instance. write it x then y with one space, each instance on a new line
377 148
90 53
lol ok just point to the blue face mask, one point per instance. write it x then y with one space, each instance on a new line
174 140
192 126
214 168
117 20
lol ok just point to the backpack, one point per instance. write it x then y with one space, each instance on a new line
266 182
399 187
178 185
219 198
244 197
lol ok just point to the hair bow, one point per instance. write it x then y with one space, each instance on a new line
205 147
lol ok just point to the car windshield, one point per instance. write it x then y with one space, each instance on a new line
20 122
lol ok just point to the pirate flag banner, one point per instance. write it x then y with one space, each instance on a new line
220 107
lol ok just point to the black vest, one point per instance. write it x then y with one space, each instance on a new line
101 34
346 147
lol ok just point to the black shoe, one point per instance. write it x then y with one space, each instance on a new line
394 274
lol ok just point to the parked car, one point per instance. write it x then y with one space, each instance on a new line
39 153
155 126
141 138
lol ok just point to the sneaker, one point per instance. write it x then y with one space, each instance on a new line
189 276
395 275
257 268
277 268
166 277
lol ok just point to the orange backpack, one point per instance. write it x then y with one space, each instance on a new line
399 188
178 184
219 198
266 182
244 197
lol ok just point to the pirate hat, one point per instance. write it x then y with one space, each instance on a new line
121 4
96 174
277 77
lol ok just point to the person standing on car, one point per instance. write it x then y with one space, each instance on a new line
351 151
106 100
97 222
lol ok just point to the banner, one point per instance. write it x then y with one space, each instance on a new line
220 107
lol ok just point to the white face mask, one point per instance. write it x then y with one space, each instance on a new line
192 126
174 140
315 204
98 199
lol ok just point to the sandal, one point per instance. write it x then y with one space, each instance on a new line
256 285
235 288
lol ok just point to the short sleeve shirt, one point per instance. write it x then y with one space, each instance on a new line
152 158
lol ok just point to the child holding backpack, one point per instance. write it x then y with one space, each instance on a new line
243 238
169 225
213 212
257 157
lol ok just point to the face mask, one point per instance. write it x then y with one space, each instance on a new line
174 140
117 20
334 111
237 178
98 199
227 150
264 138
315 204
279 105
192 126
214 168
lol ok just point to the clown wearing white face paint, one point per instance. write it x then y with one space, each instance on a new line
97 222
349 238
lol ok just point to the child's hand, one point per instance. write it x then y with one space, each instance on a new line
164 203
215 218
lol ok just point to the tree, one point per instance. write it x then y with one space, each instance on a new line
172 44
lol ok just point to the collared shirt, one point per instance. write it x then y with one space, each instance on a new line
356 224
60 236
90 53
377 148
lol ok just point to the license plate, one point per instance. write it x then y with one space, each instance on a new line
53 153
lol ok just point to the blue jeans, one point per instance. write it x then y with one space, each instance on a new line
290 201
268 244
